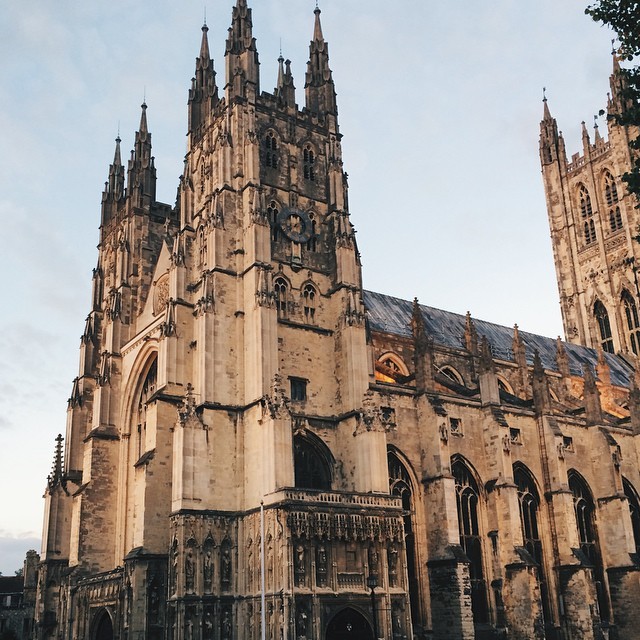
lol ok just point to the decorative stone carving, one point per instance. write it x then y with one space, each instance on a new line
161 294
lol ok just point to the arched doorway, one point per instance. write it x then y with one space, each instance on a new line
103 629
348 624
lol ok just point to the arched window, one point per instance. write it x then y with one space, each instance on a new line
633 323
615 219
312 463
312 243
529 501
468 501
390 368
586 211
604 326
309 303
634 510
147 390
203 247
271 150
504 385
272 214
452 374
281 290
400 485
585 510
610 189
309 163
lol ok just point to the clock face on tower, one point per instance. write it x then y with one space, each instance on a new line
295 224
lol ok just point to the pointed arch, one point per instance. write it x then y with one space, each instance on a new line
102 627
273 210
634 511
402 484
504 384
604 326
309 169
390 367
281 290
451 373
585 514
469 502
313 462
530 508
586 213
610 188
632 321
271 147
309 294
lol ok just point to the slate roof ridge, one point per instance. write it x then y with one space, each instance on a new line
391 314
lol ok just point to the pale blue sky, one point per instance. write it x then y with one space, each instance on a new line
439 105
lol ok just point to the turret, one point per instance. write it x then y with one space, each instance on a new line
551 142
285 89
241 56
203 95
141 172
113 187
319 88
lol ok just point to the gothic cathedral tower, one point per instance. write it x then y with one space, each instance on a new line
216 447
595 226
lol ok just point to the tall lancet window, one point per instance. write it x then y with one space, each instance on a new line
634 511
281 291
309 163
468 502
604 327
271 150
400 485
585 512
529 500
147 389
633 323
586 212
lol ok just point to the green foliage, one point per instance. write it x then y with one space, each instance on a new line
623 16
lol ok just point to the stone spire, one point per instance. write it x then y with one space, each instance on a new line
285 89
489 389
57 468
241 56
618 104
319 88
592 405
540 386
470 335
423 350
203 95
141 172
551 142
113 187
586 141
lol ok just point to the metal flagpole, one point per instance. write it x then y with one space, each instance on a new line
263 616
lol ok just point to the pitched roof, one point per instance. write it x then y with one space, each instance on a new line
393 315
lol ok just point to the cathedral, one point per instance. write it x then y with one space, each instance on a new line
257 447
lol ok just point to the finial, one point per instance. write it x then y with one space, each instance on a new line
595 121
613 47
544 94
205 15
118 138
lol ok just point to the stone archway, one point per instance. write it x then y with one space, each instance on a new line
103 627
349 624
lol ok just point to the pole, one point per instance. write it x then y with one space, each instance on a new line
374 614
263 614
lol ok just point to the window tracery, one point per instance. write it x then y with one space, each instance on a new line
312 466
147 390
309 303
449 372
529 501
586 211
633 321
584 508
634 511
281 291
272 214
400 485
604 326
468 502
308 163
271 150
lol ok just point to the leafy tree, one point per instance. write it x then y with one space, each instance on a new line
623 16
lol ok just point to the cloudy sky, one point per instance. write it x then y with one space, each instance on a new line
439 104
